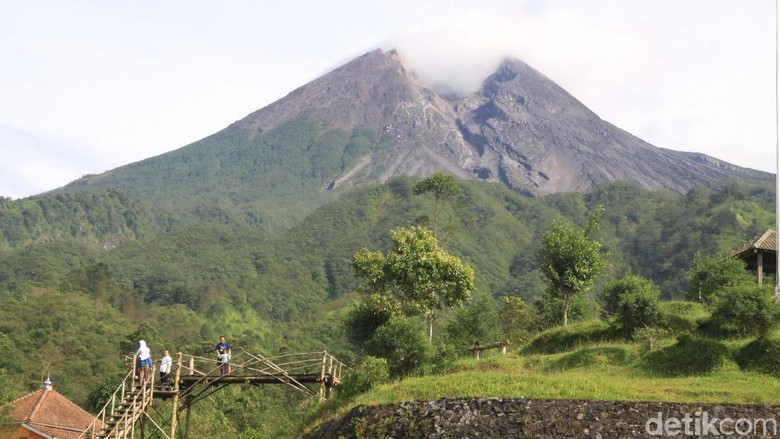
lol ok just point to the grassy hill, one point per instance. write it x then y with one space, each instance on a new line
588 361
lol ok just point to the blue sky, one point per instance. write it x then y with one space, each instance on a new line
87 86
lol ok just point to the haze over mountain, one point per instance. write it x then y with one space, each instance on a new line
372 119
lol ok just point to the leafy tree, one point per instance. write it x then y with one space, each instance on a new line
745 310
443 187
547 310
417 273
570 260
709 274
364 317
5 398
98 397
515 318
476 323
146 332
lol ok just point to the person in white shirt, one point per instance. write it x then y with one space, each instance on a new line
144 360
166 363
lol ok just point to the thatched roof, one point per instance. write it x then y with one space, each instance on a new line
766 241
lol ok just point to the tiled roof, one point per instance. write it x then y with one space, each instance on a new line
765 241
51 413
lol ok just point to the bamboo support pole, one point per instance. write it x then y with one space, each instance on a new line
322 375
174 409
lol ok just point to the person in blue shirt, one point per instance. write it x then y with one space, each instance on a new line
223 355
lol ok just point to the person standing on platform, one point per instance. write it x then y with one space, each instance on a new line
166 362
144 360
224 353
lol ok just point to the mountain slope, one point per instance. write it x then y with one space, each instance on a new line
371 119
376 93
535 137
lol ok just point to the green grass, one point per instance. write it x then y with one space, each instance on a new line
596 371
681 315
564 338
512 377
591 360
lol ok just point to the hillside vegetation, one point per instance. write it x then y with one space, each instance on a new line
84 276
592 360
268 180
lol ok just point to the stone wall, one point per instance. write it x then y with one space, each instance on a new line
550 418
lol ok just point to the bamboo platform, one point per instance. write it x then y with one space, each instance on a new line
196 378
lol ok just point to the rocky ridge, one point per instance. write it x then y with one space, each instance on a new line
520 129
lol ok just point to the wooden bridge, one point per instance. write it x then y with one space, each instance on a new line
195 378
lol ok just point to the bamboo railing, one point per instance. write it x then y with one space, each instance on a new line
123 408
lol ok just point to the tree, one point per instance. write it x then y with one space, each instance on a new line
417 273
515 319
548 309
570 260
709 274
475 324
5 397
443 187
364 317
744 310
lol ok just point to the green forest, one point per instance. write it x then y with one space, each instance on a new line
85 274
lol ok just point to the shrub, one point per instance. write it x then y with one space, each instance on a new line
443 355
371 372
650 336
689 356
638 310
633 301
615 290
744 310
548 311
403 343
761 355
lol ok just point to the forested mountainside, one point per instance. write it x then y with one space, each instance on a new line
74 302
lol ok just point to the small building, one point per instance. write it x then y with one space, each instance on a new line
45 414
760 255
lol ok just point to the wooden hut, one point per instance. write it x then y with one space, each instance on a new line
760 255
